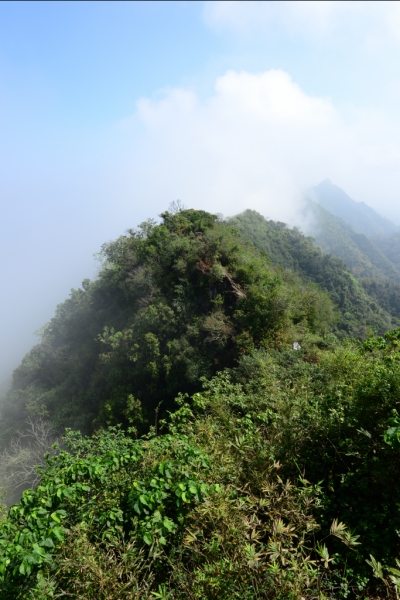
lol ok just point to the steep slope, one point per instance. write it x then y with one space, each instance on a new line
385 293
390 247
290 249
255 486
361 217
173 303
360 253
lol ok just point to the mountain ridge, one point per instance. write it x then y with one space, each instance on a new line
209 374
359 215
360 253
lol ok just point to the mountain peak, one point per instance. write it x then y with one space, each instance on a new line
361 217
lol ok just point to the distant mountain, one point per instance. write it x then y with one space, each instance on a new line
390 246
334 236
289 249
361 217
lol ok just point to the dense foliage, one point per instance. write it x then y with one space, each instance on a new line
360 253
291 250
274 482
386 294
361 217
173 303
225 461
390 246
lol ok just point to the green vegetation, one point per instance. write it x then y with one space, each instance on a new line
390 246
221 462
361 217
360 253
292 251
386 294
173 303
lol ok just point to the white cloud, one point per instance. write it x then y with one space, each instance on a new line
373 21
257 142
301 15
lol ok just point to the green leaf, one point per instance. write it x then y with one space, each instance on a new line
392 436
168 524
58 532
147 538
376 567
55 517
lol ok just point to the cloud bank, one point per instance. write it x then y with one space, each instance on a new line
257 142
371 21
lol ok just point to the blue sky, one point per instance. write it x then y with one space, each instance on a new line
111 110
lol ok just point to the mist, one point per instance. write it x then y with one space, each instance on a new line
239 127
258 141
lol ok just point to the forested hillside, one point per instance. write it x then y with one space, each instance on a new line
292 251
390 246
235 444
366 242
173 303
361 217
361 255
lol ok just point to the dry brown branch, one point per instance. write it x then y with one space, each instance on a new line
19 462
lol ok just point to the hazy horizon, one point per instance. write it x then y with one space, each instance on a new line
109 111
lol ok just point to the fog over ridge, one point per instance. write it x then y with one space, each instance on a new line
256 142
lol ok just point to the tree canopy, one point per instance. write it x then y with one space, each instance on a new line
173 302
233 442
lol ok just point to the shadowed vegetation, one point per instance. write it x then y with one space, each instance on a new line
216 459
